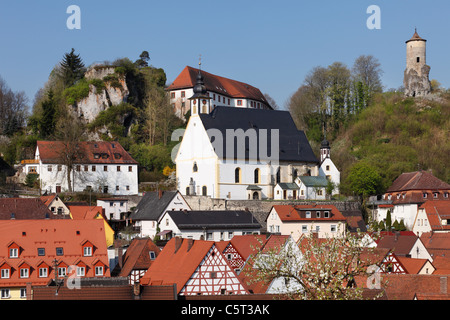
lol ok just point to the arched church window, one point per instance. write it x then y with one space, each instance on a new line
237 175
195 168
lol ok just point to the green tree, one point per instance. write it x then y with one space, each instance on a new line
389 221
47 122
71 68
363 180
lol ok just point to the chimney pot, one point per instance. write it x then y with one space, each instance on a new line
178 242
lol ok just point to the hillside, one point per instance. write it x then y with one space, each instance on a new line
394 135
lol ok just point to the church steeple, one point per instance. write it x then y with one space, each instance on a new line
200 101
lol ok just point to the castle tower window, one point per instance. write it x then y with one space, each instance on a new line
418 59
204 191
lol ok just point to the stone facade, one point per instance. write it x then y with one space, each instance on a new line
416 76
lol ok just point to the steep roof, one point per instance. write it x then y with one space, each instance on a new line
137 256
50 234
85 212
177 262
400 242
224 86
153 205
437 243
219 219
292 145
417 180
415 37
88 152
25 208
436 211
412 265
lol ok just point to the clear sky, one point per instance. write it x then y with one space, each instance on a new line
271 45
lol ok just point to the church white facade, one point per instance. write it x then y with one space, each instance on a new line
239 153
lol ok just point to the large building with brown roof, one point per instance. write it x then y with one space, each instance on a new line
407 193
101 166
222 92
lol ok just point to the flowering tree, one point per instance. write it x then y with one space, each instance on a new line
326 269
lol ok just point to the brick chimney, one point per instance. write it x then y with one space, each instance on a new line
160 193
444 285
178 242
190 243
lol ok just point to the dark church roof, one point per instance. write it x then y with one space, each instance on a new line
220 219
293 144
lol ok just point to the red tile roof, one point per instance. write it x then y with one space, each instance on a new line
400 242
412 265
224 86
89 152
67 234
437 210
290 213
137 256
85 212
176 262
24 208
418 180
437 243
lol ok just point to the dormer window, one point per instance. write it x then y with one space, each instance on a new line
25 272
96 155
87 251
435 195
308 214
326 214
425 195
13 252
317 214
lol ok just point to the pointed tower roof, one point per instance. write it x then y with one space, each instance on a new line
415 37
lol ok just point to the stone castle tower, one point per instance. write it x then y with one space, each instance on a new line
416 78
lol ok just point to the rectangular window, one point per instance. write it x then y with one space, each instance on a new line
118 168
24 273
59 251
41 251
327 214
308 214
93 168
59 167
5 273
128 188
304 228
130 168
43 272
333 228
78 168
80 271
183 94
86 168
98 271
152 255
5 294
49 168
209 236
62 271
105 168
317 214
87 251
117 188
23 293
13 253
172 95
239 102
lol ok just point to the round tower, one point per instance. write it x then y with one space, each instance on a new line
416 78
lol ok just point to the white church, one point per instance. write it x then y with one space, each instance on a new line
242 153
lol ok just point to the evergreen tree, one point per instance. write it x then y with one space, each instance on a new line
72 68
388 220
48 120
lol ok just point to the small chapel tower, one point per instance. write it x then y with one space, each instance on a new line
200 101
416 77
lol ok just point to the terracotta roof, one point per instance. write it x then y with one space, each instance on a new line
177 262
85 212
88 152
401 243
437 243
24 208
412 265
418 180
213 83
442 265
290 213
248 244
137 256
67 234
436 211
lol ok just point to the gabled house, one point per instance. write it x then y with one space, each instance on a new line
404 244
149 211
312 187
101 166
139 256
208 225
55 204
407 193
196 267
33 250
297 220
432 216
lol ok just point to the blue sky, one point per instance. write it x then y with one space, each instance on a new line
269 44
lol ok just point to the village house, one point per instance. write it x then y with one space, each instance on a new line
327 167
149 211
433 215
437 244
138 257
221 91
196 267
208 225
407 193
100 166
55 204
403 244
298 220
33 250
312 187
26 208
269 150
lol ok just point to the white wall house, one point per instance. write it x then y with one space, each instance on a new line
99 166
208 225
222 92
114 208
239 153
312 187
149 211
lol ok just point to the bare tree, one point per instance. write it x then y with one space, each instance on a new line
13 109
